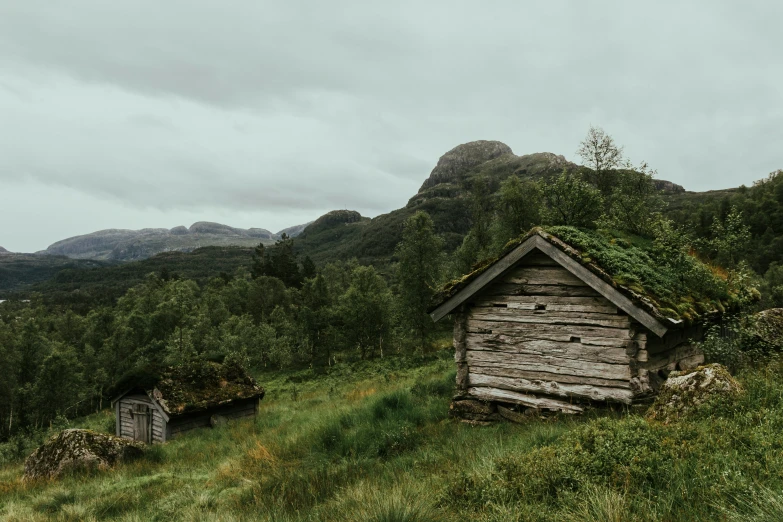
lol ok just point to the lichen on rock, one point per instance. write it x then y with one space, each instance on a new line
683 392
79 450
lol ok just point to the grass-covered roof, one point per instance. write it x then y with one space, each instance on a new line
686 290
200 385
195 386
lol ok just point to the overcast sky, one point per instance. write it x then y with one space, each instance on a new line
120 114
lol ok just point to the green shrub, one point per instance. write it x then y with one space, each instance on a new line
443 387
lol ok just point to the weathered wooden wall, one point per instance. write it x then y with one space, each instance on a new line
238 410
542 338
125 424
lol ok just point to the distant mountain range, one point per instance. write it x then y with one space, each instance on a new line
131 245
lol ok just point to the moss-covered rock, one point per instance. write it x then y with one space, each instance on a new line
767 327
75 450
683 392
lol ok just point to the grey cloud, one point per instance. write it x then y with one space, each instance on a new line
194 105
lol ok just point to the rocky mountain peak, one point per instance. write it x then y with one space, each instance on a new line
462 158
3 251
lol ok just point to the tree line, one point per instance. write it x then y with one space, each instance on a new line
279 312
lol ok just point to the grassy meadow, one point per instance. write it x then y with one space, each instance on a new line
372 441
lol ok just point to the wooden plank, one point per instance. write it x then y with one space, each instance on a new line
516 339
556 276
553 377
567 350
491 273
549 303
129 402
550 317
545 403
548 364
117 419
551 332
603 287
581 391
537 258
500 288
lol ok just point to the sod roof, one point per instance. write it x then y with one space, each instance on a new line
631 266
197 386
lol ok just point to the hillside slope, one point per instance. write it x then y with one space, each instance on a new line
442 195
372 441
19 272
84 283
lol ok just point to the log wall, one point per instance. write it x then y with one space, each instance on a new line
238 410
541 338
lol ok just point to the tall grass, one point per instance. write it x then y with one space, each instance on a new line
372 442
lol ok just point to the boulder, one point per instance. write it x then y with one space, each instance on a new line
767 327
684 391
73 450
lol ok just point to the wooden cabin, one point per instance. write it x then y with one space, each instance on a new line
184 398
543 328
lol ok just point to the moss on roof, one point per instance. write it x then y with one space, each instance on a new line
630 266
199 385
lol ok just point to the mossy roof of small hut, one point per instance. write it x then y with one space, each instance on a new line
196 386
630 266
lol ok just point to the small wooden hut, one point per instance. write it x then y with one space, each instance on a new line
545 327
183 398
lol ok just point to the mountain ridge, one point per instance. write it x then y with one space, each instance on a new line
128 245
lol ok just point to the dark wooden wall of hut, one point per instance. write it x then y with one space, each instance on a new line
238 410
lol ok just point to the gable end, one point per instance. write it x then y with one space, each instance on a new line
538 243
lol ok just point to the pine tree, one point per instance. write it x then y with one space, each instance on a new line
420 260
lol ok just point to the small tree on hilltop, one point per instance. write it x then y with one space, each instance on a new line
519 209
571 201
730 237
599 152
418 272
634 201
